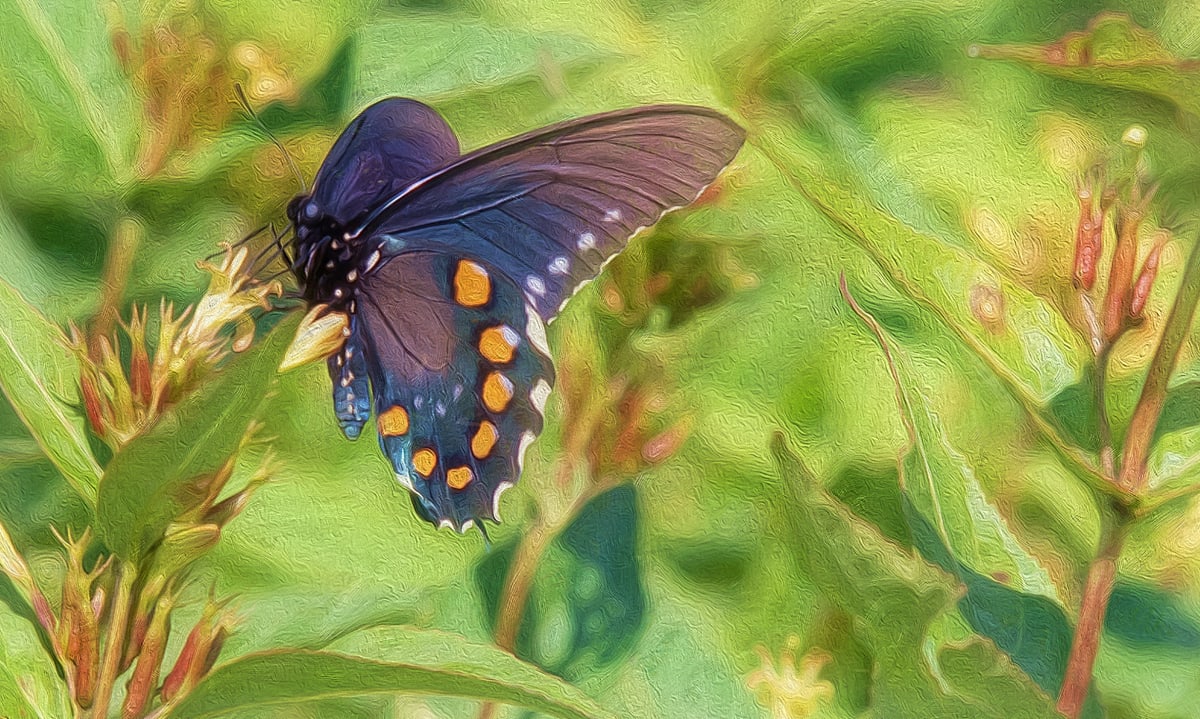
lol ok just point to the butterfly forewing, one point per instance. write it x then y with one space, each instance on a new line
551 207
390 145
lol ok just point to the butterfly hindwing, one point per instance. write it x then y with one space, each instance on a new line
549 208
459 385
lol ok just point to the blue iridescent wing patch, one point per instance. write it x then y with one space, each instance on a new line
448 268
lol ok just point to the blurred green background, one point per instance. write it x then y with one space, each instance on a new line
708 335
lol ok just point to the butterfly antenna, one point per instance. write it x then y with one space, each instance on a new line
241 96
270 248
239 243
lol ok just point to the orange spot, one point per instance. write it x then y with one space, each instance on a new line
484 440
495 344
497 392
393 422
424 461
472 287
459 477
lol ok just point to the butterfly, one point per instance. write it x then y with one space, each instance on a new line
448 266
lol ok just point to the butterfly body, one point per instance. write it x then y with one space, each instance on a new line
448 266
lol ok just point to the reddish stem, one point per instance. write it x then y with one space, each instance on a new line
1096 592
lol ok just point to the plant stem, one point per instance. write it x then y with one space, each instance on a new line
114 644
118 262
1107 460
1140 435
533 544
1096 592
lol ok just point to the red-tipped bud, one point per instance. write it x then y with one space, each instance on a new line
149 664
183 665
93 406
1145 282
140 379
1088 238
1120 276
193 658
79 628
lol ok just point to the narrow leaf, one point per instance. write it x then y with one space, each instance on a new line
152 479
1025 342
1113 52
429 663
29 685
898 597
940 483
39 376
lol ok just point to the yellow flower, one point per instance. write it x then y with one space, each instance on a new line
786 692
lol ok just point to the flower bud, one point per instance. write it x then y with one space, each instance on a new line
139 362
320 334
79 627
182 545
1145 281
1088 237
93 406
190 665
1120 276
145 675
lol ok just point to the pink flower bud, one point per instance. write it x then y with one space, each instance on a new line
1145 282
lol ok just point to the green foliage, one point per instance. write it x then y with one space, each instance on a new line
932 562
425 663
153 479
39 374
29 682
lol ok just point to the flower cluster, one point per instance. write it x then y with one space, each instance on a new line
120 403
1123 303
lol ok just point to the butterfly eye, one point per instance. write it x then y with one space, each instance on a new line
311 211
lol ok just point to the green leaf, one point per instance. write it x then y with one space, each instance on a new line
938 481
1031 629
83 111
453 54
29 685
1148 616
587 605
384 660
1114 52
1010 598
1026 343
39 376
151 480
897 597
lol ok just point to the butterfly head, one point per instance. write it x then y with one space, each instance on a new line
328 263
